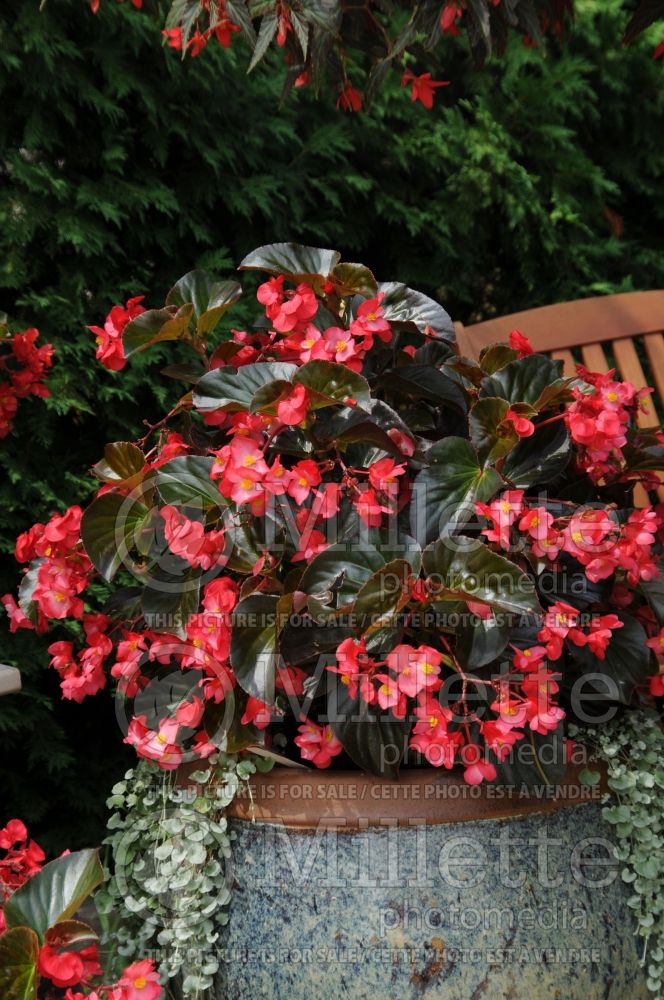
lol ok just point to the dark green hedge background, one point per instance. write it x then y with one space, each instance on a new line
122 167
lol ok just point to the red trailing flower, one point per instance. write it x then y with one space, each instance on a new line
349 99
109 337
423 88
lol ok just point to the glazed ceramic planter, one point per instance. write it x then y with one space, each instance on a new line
350 886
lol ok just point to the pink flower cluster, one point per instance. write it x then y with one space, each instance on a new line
411 671
246 478
189 540
62 573
205 649
109 337
596 540
291 313
22 372
306 342
318 744
69 969
562 621
21 860
598 421
83 674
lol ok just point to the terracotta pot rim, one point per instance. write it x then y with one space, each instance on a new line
301 799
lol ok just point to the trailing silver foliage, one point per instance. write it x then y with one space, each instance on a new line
168 890
632 747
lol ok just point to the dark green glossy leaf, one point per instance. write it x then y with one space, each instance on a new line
404 305
539 458
70 934
299 263
381 598
209 297
354 279
653 591
336 576
267 397
444 494
329 382
345 424
186 480
481 640
254 645
171 596
233 390
566 581
468 569
628 662
109 529
19 953
526 380
495 357
425 382
373 739
243 546
55 893
538 759
123 462
489 436
300 643
154 326
189 373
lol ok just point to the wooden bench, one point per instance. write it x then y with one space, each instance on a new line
611 331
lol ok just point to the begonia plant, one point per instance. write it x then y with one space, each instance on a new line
355 45
347 545
23 370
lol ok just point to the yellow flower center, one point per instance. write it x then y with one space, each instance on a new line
505 507
140 983
246 484
612 396
577 536
433 721
249 460
60 597
342 345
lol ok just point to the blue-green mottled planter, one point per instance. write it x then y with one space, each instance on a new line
351 887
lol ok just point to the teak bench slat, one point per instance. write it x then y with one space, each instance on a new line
601 333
